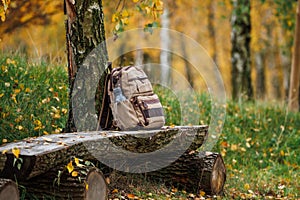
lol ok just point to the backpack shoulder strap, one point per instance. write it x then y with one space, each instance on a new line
105 116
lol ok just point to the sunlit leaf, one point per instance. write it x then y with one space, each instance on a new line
74 173
202 193
70 166
115 191
246 186
16 152
131 196
86 185
76 160
5 151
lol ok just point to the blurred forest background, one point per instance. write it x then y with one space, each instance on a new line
36 29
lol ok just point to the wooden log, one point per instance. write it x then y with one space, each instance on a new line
41 154
195 172
8 190
88 184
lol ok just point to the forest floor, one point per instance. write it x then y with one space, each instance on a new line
259 141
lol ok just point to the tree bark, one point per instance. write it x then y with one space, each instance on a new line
84 32
194 172
240 53
260 76
8 190
211 30
42 154
187 65
89 184
295 71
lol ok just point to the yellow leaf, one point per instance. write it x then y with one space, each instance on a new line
64 111
1 95
17 91
86 185
76 160
115 191
125 13
130 196
4 140
282 153
45 133
74 173
202 193
147 9
55 116
234 147
246 186
70 167
22 86
19 127
37 122
114 18
16 152
125 20
135 1
2 16
27 90
4 151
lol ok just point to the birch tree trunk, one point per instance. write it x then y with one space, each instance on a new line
165 44
84 32
240 53
295 71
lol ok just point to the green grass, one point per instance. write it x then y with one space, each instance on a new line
259 143
33 101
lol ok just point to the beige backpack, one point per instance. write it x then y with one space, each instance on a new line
133 104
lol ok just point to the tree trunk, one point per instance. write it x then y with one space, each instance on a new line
295 72
44 153
240 54
8 190
165 44
211 30
88 184
194 172
260 76
187 65
84 32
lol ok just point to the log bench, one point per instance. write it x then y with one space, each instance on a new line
42 161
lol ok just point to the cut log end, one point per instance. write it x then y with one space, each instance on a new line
96 187
8 190
213 173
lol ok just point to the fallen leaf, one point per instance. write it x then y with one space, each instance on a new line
4 151
246 186
16 152
115 191
70 167
202 193
130 196
74 173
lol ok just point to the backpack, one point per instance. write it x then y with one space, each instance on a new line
132 101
